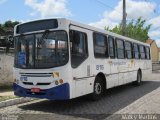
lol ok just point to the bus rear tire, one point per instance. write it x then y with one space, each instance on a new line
139 79
98 89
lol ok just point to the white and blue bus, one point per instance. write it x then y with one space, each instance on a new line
61 59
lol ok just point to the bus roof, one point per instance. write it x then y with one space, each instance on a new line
106 32
88 27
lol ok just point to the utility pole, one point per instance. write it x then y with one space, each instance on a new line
124 18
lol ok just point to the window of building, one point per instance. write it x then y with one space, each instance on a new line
100 45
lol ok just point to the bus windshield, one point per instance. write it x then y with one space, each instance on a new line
41 50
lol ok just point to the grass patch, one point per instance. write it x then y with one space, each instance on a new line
3 98
4 87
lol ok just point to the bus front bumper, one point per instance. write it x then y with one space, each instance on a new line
60 92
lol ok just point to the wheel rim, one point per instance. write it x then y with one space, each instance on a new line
98 88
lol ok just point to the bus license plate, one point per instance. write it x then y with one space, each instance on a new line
35 90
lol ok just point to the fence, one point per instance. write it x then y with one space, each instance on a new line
155 66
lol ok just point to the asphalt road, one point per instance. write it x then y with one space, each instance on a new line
119 100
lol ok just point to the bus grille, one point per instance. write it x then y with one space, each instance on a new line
30 83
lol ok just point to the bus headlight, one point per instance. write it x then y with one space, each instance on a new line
61 81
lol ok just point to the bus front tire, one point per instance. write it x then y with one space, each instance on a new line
98 89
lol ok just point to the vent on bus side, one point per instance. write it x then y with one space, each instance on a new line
36 74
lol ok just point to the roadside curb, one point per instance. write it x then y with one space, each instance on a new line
15 101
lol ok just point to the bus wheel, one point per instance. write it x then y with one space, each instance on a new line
98 89
139 79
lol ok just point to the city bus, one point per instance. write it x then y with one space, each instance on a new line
60 59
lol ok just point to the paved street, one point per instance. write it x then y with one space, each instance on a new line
144 99
9 93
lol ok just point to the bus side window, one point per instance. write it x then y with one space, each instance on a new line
78 47
142 51
147 53
128 49
111 47
120 49
135 51
100 45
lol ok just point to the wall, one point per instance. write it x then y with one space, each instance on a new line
6 67
155 67
159 56
154 52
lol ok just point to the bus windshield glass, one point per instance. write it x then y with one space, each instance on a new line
41 50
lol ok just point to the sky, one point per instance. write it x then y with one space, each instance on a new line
98 13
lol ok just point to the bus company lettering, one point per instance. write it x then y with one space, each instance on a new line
119 63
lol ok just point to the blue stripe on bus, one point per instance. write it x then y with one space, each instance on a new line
60 92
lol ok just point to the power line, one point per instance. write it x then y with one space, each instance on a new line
105 5
100 2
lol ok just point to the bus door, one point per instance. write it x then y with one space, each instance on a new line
79 60
112 79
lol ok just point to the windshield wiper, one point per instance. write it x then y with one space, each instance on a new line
44 36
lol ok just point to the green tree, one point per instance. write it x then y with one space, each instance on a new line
8 28
134 29
9 25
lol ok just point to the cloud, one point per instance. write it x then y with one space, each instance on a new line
154 34
48 8
155 22
105 21
135 9
158 42
2 1
23 21
140 9
155 31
